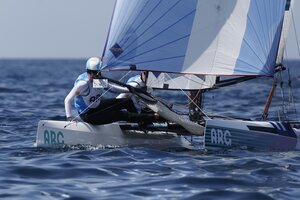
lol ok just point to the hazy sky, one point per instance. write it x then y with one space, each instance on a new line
53 28
67 28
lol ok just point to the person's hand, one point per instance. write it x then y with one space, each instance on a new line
131 89
72 120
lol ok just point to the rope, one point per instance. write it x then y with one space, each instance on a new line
192 100
291 103
282 91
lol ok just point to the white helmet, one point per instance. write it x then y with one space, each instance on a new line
93 64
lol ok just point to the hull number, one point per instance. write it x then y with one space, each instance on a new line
52 137
218 136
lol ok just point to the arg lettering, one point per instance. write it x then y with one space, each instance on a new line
218 136
52 137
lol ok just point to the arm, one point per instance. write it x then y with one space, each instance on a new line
70 97
117 89
127 94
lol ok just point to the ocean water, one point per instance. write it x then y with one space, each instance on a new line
31 90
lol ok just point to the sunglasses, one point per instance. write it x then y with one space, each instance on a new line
95 73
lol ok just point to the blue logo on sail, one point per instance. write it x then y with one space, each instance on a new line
116 50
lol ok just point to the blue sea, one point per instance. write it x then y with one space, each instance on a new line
32 90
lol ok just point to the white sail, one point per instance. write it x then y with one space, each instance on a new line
178 81
208 37
285 28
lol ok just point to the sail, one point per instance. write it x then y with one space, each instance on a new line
285 28
173 81
202 37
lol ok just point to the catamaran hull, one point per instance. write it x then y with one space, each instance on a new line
61 133
251 134
219 134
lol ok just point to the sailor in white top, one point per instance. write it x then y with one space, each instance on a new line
90 105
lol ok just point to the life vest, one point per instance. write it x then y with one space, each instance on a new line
89 97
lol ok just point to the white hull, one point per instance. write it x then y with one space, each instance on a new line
218 134
59 133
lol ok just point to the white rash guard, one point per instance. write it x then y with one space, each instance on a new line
85 96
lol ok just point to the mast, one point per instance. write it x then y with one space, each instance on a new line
269 100
281 47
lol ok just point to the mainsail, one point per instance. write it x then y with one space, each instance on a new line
200 37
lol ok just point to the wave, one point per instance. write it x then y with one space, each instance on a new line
13 90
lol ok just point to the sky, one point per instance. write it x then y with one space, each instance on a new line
69 28
53 28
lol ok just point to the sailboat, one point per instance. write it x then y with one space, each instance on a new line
189 45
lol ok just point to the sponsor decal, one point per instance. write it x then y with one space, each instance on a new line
116 50
220 137
52 137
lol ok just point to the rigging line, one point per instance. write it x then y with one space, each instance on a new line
291 103
196 96
295 31
282 93
187 96
291 92
77 116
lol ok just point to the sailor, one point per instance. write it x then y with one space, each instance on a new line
92 107
137 81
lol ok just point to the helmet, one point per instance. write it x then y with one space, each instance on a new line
93 64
